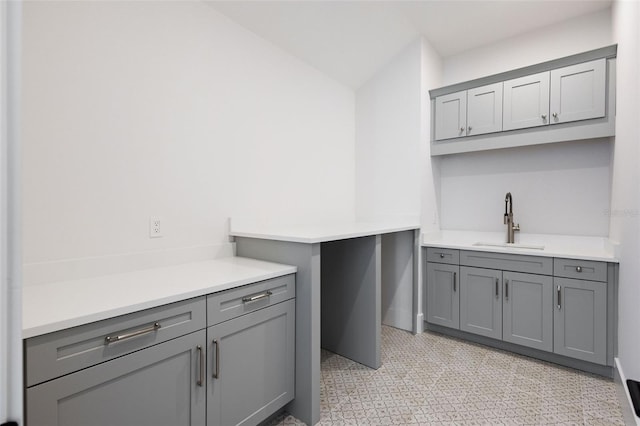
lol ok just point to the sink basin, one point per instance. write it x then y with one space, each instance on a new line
505 245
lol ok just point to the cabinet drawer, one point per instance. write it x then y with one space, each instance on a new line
580 269
238 301
442 255
507 262
56 354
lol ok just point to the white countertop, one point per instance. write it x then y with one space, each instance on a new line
321 232
567 246
59 305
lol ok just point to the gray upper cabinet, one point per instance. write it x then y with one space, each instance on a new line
443 301
528 310
580 319
484 109
578 92
526 102
481 301
251 365
565 99
451 115
159 385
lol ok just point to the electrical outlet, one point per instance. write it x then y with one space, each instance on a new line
154 227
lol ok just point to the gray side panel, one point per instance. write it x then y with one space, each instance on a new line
255 366
481 301
52 355
528 310
397 283
443 294
418 286
507 262
351 302
306 257
152 387
229 304
612 312
580 323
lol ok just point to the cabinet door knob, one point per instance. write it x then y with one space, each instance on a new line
555 115
441 255
544 116
469 128
462 129
578 268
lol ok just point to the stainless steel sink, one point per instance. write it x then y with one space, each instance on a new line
512 245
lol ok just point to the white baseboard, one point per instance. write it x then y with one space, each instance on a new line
74 269
628 412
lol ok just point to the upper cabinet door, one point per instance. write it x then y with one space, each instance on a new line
484 109
578 92
526 102
451 115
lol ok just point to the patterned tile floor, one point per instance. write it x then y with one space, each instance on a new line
432 379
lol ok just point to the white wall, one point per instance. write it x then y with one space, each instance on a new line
388 109
625 200
557 188
139 109
555 41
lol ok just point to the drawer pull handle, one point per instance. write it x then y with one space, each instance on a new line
216 371
454 282
559 297
496 287
201 372
256 297
578 268
506 289
117 338
441 255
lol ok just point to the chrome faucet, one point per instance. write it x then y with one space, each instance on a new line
508 219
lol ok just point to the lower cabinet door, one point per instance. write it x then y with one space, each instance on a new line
527 310
580 319
481 302
443 301
251 366
161 385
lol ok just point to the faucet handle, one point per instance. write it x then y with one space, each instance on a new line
505 218
516 227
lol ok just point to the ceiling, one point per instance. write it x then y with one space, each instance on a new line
350 40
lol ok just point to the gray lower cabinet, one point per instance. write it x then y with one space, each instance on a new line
527 310
160 385
443 300
251 366
580 319
481 302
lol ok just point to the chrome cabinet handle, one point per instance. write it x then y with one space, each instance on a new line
441 255
559 297
216 371
496 287
256 297
544 116
578 268
200 381
555 115
469 128
454 281
119 337
506 289
462 129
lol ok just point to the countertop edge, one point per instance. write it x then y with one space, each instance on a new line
321 239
